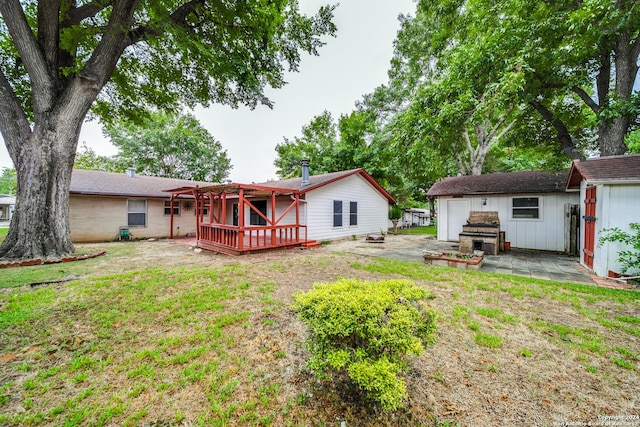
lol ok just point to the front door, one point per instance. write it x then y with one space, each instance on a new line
589 226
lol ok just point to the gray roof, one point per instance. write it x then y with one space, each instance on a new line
120 184
316 181
501 183
612 168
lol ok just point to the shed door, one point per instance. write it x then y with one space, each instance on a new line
457 214
589 226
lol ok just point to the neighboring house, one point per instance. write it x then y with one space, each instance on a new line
101 204
415 217
531 206
7 204
609 197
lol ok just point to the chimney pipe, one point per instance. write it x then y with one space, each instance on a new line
305 172
131 172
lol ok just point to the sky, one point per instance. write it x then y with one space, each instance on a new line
349 66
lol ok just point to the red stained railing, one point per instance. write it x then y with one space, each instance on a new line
233 238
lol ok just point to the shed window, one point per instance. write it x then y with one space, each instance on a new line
136 213
254 218
176 207
337 213
525 207
353 213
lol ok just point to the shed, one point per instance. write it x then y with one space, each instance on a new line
609 198
530 205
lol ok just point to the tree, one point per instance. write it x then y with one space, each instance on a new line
62 58
8 182
88 159
170 146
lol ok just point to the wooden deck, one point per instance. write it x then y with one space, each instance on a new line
237 241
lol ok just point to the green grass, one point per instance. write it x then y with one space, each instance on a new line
3 233
116 346
426 229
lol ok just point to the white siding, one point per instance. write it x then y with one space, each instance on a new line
545 233
373 209
616 206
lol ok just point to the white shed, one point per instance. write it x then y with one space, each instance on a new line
530 204
610 198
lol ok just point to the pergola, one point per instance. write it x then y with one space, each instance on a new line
214 232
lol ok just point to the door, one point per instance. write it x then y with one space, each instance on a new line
234 213
589 226
457 214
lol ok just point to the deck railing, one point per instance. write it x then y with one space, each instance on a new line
251 238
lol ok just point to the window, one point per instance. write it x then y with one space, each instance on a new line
525 208
176 207
353 213
337 213
205 209
254 218
137 213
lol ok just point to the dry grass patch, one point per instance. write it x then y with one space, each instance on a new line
216 343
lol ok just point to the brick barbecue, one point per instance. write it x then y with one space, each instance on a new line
482 232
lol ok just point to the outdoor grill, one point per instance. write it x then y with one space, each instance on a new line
481 233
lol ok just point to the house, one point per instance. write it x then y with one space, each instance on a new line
274 214
249 217
102 205
609 189
340 204
7 205
530 205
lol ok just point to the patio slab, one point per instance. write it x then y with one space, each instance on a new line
537 264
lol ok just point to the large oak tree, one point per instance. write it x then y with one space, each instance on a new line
62 58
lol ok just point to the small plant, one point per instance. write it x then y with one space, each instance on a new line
364 331
629 259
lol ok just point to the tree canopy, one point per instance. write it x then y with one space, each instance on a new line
172 146
118 58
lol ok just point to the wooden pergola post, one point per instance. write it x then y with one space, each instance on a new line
171 222
273 218
241 220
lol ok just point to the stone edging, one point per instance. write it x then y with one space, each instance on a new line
39 261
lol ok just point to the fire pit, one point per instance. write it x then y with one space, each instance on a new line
481 233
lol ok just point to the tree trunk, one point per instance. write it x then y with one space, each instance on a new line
611 136
44 168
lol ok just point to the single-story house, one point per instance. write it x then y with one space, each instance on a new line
530 205
276 213
103 205
340 204
609 198
7 205
289 212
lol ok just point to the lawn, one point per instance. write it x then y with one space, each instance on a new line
3 233
155 334
425 229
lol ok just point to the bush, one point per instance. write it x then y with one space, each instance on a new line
629 259
366 331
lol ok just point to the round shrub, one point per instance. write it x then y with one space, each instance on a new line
366 331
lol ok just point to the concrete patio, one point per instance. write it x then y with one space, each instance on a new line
536 264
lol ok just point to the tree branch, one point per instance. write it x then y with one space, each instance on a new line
48 32
34 61
14 124
178 17
89 10
566 142
584 96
